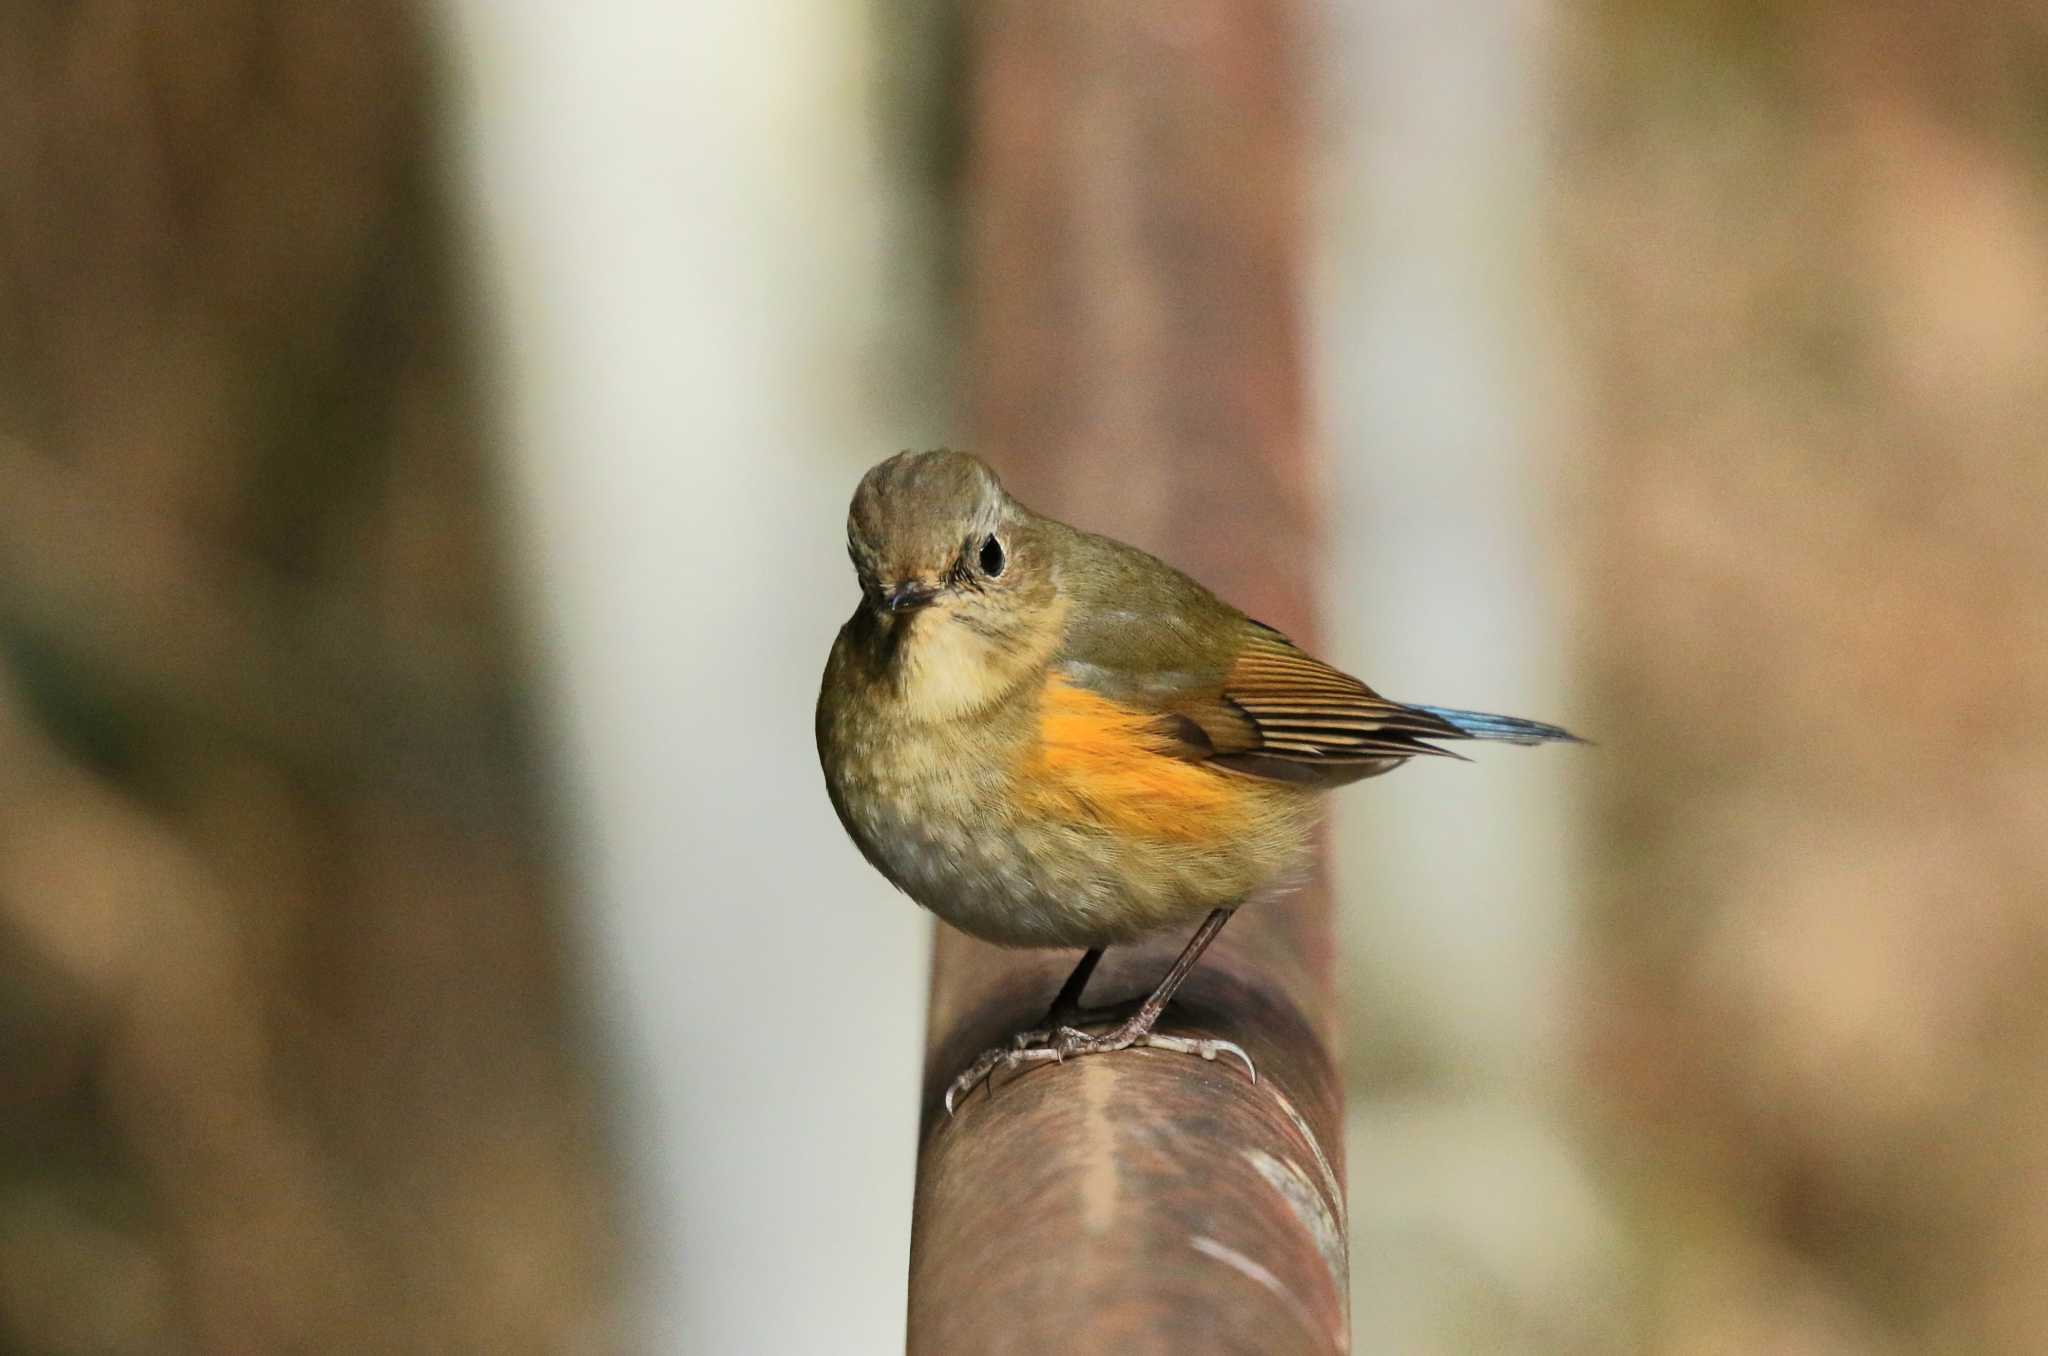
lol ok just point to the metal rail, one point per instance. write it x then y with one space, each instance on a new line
1134 197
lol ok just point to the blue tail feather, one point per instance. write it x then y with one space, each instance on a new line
1512 729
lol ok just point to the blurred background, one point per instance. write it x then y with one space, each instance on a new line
425 433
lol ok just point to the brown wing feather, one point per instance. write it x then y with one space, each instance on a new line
1288 716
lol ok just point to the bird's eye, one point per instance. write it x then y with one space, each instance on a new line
992 560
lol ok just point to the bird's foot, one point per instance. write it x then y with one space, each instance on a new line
1071 1020
1072 1043
1057 1045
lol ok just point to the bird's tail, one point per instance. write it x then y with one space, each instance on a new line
1512 729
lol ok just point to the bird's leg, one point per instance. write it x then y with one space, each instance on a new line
1066 1010
1059 1039
1066 1005
1137 1028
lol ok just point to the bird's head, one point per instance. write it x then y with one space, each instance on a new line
934 534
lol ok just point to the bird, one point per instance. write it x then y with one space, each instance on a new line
1051 739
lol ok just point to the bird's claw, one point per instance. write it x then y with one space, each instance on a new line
1207 1047
1022 1049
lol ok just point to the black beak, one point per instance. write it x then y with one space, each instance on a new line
908 597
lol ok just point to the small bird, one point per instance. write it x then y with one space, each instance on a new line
1052 739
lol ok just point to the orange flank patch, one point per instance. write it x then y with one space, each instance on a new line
1100 763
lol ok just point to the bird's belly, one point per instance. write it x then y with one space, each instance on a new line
1045 884
1000 889
939 822
1074 843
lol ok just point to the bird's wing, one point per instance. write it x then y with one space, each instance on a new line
1315 724
1261 707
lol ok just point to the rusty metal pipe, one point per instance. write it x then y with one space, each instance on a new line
1133 258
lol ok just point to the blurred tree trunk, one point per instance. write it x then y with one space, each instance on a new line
290 1065
1812 245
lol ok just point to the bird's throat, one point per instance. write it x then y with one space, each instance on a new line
948 668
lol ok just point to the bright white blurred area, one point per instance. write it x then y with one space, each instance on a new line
685 215
682 215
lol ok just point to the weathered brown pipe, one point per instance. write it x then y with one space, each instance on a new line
1134 195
